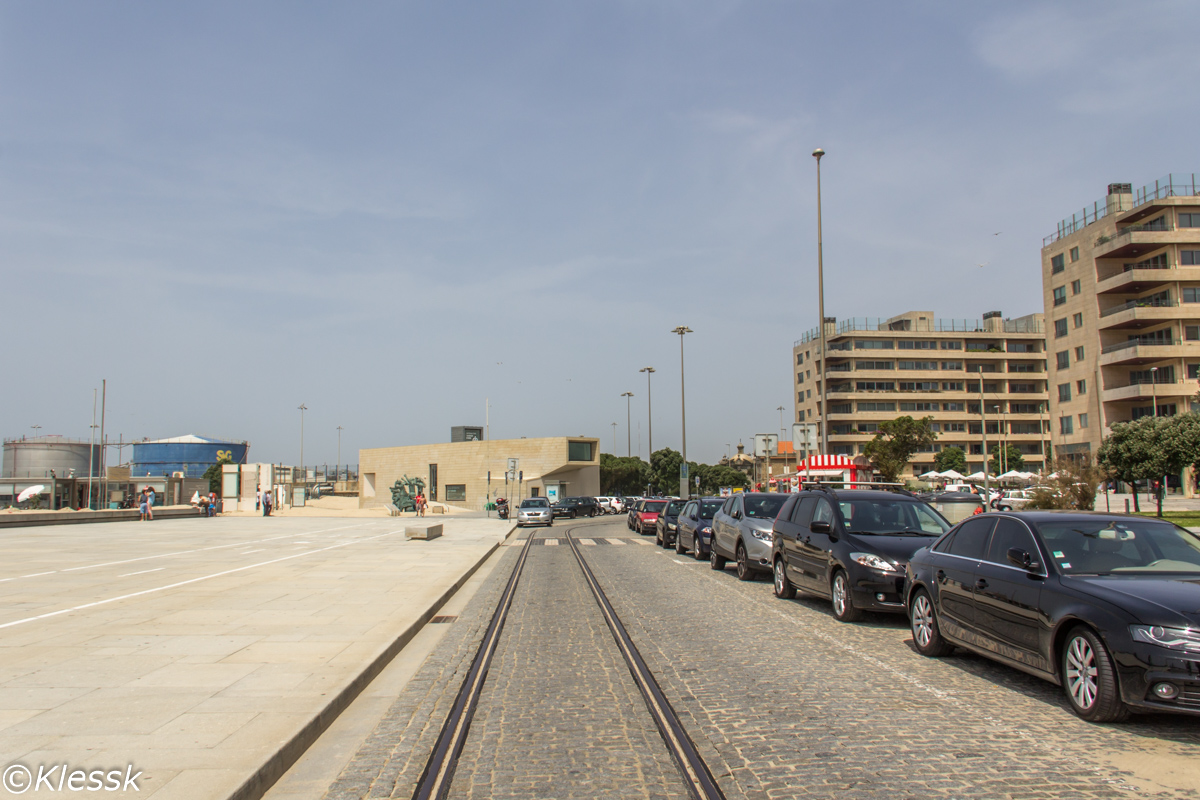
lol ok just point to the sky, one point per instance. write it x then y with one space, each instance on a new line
413 215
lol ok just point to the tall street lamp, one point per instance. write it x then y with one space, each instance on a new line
338 468
614 438
1154 391
821 308
649 414
781 432
683 475
628 427
302 409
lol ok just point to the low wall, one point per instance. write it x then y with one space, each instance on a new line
32 519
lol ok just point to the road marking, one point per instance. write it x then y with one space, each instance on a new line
550 541
615 541
191 581
591 542
143 572
677 561
248 552
641 541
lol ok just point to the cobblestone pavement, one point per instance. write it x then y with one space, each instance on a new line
781 699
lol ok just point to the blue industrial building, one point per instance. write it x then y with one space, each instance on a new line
192 455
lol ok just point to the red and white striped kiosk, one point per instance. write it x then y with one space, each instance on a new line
835 469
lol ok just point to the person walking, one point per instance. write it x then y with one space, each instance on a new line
258 499
142 506
266 504
149 502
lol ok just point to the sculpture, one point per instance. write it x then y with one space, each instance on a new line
403 493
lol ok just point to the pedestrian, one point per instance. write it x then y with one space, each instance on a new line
266 504
149 502
212 504
142 506
258 499
420 504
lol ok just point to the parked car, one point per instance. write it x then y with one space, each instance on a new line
664 528
634 505
647 515
535 511
1013 500
851 546
573 507
617 504
694 526
1105 605
606 504
742 532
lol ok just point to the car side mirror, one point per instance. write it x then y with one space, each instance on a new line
1021 558
821 526
737 515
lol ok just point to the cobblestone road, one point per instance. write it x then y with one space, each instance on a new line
781 699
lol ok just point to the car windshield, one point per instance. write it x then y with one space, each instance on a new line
535 502
765 507
891 517
1121 546
675 506
655 507
710 507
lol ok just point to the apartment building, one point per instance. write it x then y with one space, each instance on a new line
917 365
1121 285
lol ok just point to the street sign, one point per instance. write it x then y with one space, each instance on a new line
683 470
766 444
804 435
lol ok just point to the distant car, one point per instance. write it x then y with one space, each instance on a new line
742 532
573 507
664 529
617 504
1014 500
535 511
634 506
1105 605
647 515
694 526
851 546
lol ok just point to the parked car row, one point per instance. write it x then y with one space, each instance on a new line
1105 605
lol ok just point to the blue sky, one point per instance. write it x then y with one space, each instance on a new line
392 211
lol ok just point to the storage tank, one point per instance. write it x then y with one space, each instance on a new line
36 456
190 454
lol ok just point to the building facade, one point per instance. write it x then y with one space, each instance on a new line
1121 285
919 366
470 473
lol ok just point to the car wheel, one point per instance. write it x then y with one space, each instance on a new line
715 561
923 621
1089 678
697 548
658 540
744 571
679 544
843 601
783 587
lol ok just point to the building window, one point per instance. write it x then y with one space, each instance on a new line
868 427
456 492
579 451
1063 358
1025 408
876 386
840 408
951 345
1076 287
1193 371
1082 421
1065 425
1074 254
1189 258
1191 294
873 344
1077 320
1081 388
799 359
1191 333
923 365
954 427
1079 353
433 484
1060 328
952 365
810 394
953 386
874 365
918 386
1060 295
873 407
914 344
1057 264
1189 220
918 406
952 407
1064 392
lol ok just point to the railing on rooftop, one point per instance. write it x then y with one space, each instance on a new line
881 324
1177 184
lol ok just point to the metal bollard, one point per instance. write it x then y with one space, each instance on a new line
1126 505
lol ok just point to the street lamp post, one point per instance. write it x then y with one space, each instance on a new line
781 432
628 427
649 416
983 429
821 308
304 475
1154 391
338 468
614 438
683 476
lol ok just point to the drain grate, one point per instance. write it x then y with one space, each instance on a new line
444 618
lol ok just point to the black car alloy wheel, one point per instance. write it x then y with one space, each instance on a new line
715 560
783 587
744 572
1089 678
843 602
697 549
923 621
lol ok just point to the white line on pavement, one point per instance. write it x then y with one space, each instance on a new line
588 541
614 541
248 552
550 541
192 580
143 572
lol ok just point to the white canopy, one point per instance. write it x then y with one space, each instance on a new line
933 474
958 476
976 476
1012 474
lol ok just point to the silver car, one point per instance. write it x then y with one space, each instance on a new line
535 511
742 532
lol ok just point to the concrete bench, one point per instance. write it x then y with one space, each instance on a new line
425 531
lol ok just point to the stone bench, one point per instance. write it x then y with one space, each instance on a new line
425 531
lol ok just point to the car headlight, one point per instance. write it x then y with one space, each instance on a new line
763 536
872 561
670 526
706 530
1186 639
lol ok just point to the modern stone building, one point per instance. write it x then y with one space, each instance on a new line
456 473
916 365
1121 283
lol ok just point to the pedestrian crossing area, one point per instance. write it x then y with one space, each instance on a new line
607 541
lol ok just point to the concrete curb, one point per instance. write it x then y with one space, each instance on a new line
270 772
88 517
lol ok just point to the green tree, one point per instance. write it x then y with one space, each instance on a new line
895 443
715 477
1150 448
1012 459
623 475
213 474
951 458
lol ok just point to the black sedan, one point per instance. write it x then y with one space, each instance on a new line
851 546
1105 605
668 520
573 507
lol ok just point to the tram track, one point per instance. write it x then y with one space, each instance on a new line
438 775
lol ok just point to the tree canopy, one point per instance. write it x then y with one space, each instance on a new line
951 458
1150 448
1012 459
896 442
625 475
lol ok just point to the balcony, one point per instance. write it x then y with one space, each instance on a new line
1136 281
1135 352
1145 391
1134 240
1138 314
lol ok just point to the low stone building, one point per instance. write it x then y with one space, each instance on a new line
457 473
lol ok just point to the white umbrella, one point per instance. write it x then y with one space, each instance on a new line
30 492
950 473
933 474
976 476
1012 474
